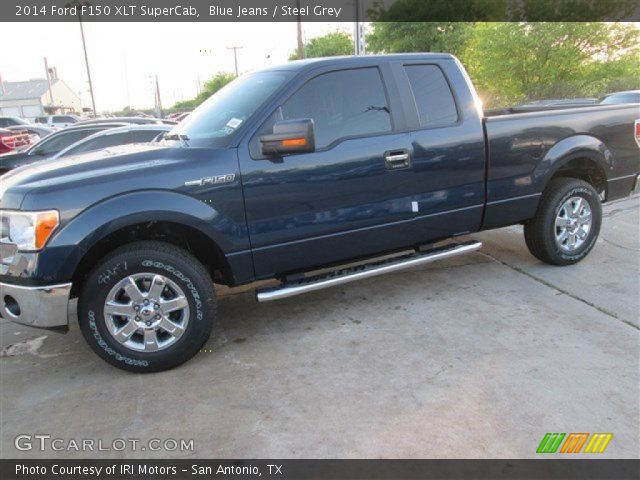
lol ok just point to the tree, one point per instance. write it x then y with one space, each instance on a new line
501 10
399 37
329 45
210 87
516 62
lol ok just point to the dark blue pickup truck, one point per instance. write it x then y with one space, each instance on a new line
292 170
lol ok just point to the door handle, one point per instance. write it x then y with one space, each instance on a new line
397 159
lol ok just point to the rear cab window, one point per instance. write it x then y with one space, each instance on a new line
432 94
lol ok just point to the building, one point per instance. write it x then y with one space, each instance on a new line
32 99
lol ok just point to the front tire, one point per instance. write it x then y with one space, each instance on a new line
567 224
148 306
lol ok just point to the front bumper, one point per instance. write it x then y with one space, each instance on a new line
43 307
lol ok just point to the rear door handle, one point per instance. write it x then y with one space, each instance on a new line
397 159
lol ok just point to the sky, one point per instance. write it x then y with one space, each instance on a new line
125 57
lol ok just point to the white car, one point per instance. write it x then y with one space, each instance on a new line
57 121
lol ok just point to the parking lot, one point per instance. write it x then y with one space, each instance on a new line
476 357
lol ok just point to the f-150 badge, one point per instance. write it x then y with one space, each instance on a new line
218 179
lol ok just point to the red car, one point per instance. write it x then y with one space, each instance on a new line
10 141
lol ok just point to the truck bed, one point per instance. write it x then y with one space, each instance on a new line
522 149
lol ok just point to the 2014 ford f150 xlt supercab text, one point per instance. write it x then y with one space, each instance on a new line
292 170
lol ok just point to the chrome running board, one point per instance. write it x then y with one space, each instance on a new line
350 274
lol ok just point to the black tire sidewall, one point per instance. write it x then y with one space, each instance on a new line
587 192
109 273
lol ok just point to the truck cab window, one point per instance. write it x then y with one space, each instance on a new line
342 104
433 97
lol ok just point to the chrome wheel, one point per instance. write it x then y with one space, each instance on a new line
146 312
573 223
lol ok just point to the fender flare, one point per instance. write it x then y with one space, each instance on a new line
573 148
102 219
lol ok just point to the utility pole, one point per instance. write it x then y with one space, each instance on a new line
126 79
158 101
86 61
46 69
235 49
358 30
299 32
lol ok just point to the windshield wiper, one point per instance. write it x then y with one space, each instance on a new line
177 136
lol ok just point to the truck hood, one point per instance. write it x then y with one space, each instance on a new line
74 182
55 171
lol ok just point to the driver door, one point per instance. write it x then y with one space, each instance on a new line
340 201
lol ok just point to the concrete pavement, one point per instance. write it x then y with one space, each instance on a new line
474 357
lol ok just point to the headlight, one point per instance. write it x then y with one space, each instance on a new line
29 231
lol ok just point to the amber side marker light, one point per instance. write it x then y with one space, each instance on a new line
46 223
294 142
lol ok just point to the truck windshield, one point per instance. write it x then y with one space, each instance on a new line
214 122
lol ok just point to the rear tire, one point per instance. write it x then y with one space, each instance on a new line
567 223
148 306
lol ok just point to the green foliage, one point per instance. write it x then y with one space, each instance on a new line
517 62
210 87
329 45
427 11
571 10
398 37
512 10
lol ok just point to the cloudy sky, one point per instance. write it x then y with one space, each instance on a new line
124 57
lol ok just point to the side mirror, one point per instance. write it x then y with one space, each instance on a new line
289 136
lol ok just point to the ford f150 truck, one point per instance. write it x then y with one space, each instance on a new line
291 171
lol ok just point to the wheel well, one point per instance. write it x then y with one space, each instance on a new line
191 239
587 170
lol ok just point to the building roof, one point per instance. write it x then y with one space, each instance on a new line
25 90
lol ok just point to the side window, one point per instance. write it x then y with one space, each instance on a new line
144 136
103 141
433 97
342 104
59 142
4 122
64 119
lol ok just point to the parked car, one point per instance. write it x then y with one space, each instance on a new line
114 137
50 145
132 120
181 117
288 170
177 117
629 96
11 141
37 131
11 121
57 121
